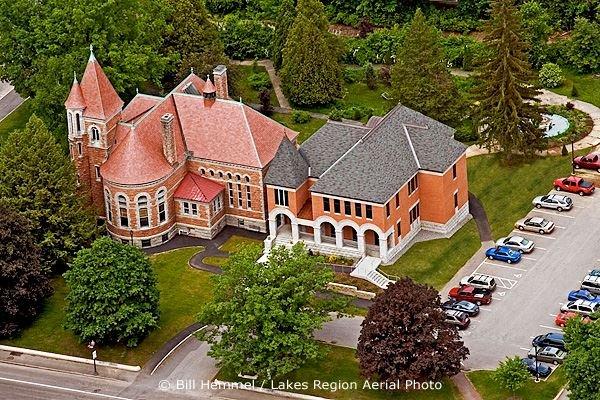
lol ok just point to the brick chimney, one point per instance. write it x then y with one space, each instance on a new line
168 138
220 78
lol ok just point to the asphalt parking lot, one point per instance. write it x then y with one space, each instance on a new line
530 293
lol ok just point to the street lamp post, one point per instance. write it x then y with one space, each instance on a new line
92 346
573 155
537 372
131 236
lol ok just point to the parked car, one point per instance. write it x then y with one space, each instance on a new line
516 243
562 317
591 161
594 272
457 318
543 370
472 294
471 309
553 339
582 307
503 253
574 184
583 294
479 281
556 202
591 283
547 354
535 224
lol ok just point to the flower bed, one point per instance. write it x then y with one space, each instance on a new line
580 125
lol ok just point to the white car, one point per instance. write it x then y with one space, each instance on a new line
583 307
516 243
479 281
535 224
556 202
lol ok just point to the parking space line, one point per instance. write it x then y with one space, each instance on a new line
558 214
560 227
529 258
553 315
504 266
484 309
524 349
505 283
534 234
551 327
579 207
497 298
541 248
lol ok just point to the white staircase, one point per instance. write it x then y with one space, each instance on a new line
366 269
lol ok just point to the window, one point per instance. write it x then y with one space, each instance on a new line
109 215
347 208
125 241
220 175
78 122
326 205
238 178
164 237
336 206
413 184
70 123
369 211
97 171
414 213
387 210
247 179
230 191
239 195
123 218
146 243
229 176
95 134
248 197
162 209
72 151
281 197
217 204
143 213
202 171
399 229
397 199
77 179
456 200
79 149
190 208
358 209
454 171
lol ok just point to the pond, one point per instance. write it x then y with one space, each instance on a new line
554 124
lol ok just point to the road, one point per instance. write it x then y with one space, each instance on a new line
9 99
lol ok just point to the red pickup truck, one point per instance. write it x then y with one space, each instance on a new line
574 184
591 161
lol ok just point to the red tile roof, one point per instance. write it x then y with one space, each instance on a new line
101 99
209 87
139 105
75 99
198 188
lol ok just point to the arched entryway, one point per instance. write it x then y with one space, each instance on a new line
372 243
327 232
284 225
350 237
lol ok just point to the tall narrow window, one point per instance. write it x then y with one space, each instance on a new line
397 199
108 204
123 218
326 205
281 197
369 211
78 121
358 209
161 206
248 198
347 208
217 205
454 171
79 149
398 229
97 171
414 213
95 134
336 206
239 195
456 200
142 209
413 184
230 190
70 117
387 210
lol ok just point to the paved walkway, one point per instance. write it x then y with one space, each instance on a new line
481 220
268 64
465 387
9 99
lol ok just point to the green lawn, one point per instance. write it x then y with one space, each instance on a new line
490 390
182 291
236 243
436 261
304 130
243 89
588 87
215 261
16 120
340 365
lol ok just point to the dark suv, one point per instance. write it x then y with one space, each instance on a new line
553 339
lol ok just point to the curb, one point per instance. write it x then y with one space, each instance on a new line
130 368
560 393
281 393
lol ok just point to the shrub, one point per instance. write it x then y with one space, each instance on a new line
353 75
357 112
466 133
574 91
385 75
265 102
551 75
370 78
300 117
569 105
336 114
259 81
463 51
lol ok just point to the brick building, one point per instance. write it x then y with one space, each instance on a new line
191 162
368 190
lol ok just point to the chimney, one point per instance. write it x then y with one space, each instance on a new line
220 78
168 138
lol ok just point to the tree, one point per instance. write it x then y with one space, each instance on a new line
581 365
38 180
537 29
285 18
511 374
420 78
23 285
505 89
405 336
264 315
311 73
43 42
370 78
584 49
264 96
112 294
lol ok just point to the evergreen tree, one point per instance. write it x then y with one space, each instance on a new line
285 19
506 118
37 179
23 285
311 73
420 78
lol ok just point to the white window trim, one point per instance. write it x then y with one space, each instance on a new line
162 189
108 205
117 195
97 173
95 142
148 207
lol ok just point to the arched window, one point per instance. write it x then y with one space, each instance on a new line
95 134
238 178
142 209
220 175
212 173
70 118
202 171
78 122
107 202
123 217
162 208
247 179
229 175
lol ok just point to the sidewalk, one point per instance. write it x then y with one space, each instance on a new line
268 64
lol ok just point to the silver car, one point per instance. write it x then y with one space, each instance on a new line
556 202
516 243
583 307
547 354
535 224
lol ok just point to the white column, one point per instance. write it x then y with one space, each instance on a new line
295 232
317 234
361 243
272 228
339 238
383 248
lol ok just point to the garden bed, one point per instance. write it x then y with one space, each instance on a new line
580 125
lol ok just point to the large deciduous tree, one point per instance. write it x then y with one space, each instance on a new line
581 365
23 285
506 117
405 337
584 46
43 42
311 73
420 78
285 19
112 296
37 179
264 315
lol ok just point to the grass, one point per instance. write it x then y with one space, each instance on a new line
436 261
243 89
215 261
340 365
179 304
16 120
236 243
587 85
304 130
489 390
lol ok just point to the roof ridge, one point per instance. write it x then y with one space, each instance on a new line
383 119
412 148
250 134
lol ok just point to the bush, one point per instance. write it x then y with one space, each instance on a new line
300 117
336 114
264 97
259 81
385 75
463 51
574 91
466 133
370 78
353 75
246 38
551 75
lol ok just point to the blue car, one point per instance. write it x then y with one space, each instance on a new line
583 294
503 253
542 369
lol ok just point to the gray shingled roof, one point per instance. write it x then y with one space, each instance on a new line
288 168
330 143
383 161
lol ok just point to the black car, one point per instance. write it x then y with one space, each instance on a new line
467 307
542 369
553 339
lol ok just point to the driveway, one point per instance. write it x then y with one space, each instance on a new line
9 99
530 293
